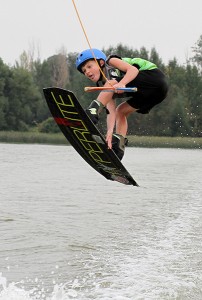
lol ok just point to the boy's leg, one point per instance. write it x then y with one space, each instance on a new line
118 145
118 140
122 113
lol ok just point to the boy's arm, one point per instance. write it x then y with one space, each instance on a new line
130 72
111 119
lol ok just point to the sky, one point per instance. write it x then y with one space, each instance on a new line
46 26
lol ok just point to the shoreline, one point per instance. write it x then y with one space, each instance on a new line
134 141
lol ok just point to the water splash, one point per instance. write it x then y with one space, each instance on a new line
11 291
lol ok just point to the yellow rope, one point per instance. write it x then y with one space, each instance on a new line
84 31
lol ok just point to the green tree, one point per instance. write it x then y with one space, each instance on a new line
49 126
4 75
122 51
154 57
197 50
23 98
3 110
179 122
193 89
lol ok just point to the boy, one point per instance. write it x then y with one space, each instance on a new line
118 72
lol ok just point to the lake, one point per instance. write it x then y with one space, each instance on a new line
68 233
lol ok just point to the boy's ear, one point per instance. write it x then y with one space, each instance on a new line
102 62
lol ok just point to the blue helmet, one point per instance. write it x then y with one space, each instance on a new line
88 54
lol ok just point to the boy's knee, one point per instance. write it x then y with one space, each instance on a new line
124 110
120 112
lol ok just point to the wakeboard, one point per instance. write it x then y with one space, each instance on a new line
84 136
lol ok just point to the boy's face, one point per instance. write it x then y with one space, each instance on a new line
91 70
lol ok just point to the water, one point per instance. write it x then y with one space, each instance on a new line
68 233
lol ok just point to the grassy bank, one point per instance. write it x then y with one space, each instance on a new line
134 141
165 142
32 138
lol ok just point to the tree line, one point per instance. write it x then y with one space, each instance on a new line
23 107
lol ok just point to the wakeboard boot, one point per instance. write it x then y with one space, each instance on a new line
93 111
118 145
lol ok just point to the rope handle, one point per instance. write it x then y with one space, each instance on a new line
109 89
